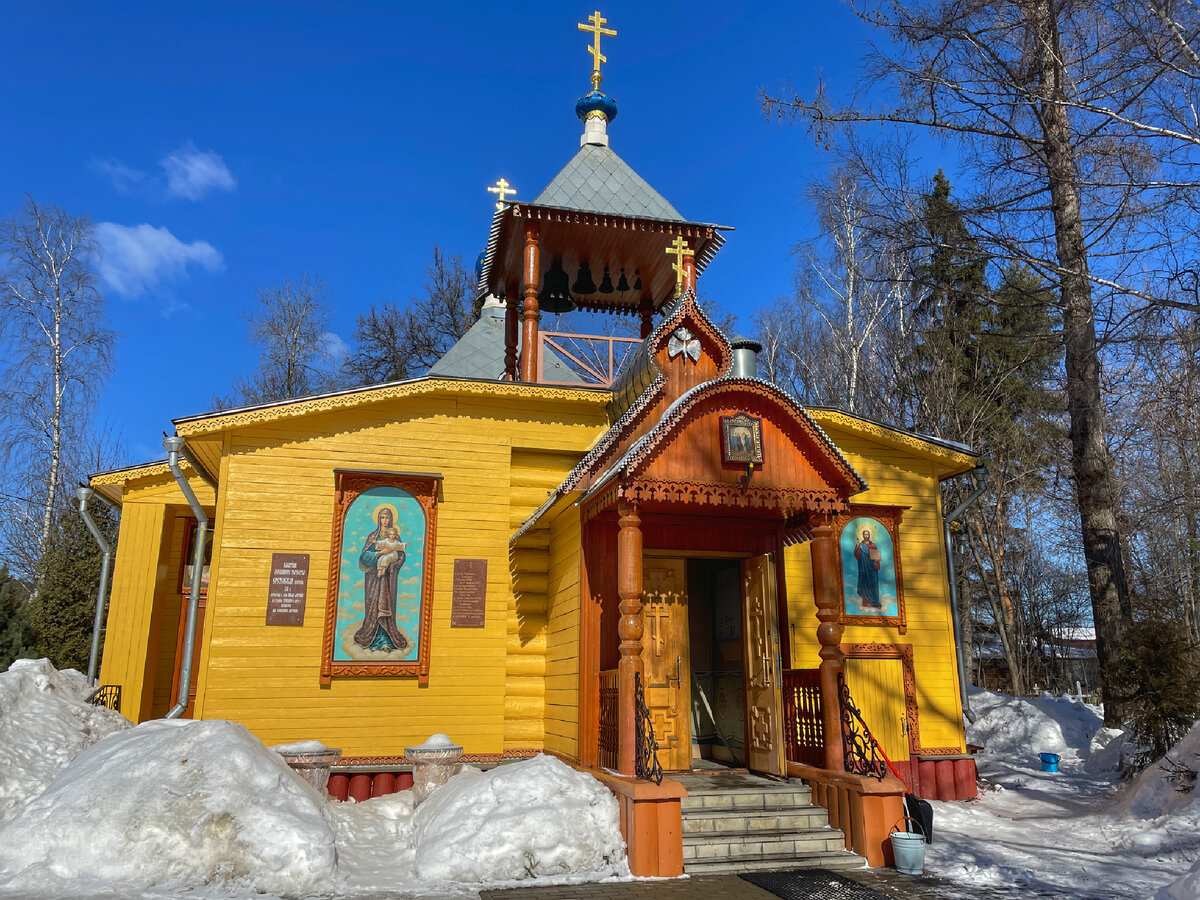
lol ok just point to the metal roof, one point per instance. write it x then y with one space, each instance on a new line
480 354
597 180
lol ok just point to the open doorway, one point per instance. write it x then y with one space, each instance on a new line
718 695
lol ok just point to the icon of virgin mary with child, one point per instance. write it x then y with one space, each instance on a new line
381 559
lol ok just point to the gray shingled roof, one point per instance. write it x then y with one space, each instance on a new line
597 180
480 353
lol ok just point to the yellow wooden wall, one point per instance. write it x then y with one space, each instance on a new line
896 478
562 649
277 496
143 608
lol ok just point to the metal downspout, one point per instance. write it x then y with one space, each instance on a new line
980 475
174 448
84 494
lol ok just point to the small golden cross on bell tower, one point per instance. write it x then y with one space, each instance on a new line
597 28
501 188
679 249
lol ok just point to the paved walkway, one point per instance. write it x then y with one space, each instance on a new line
730 887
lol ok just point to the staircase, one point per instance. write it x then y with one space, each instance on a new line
734 822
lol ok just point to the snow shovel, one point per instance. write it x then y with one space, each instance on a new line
920 812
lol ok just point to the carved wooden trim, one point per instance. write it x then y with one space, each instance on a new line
287 409
723 494
348 485
889 517
384 762
608 220
896 437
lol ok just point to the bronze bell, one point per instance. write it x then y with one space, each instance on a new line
583 281
622 282
606 285
554 296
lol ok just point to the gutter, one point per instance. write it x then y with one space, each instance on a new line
176 449
979 473
84 494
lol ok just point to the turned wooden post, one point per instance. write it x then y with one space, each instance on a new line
647 310
629 629
533 271
511 330
829 634
689 272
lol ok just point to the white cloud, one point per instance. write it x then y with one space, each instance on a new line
192 174
335 346
123 177
137 258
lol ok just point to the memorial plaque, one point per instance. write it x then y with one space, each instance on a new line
470 593
288 589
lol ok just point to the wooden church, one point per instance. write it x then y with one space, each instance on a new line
632 554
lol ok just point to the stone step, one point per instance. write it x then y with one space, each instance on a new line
702 847
784 795
827 860
746 821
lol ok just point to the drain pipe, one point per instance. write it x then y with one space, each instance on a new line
174 448
979 473
84 494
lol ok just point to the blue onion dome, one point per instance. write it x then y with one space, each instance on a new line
479 265
596 102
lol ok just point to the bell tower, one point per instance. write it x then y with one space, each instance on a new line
597 238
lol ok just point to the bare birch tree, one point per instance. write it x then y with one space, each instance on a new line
57 353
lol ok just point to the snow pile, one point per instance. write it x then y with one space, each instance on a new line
1072 833
173 802
45 722
1020 728
527 820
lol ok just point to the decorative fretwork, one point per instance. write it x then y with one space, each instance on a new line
647 765
610 717
803 727
860 751
107 695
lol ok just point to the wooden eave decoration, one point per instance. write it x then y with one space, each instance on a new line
601 240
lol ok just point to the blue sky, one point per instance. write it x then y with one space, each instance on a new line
223 147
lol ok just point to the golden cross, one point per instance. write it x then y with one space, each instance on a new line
501 188
679 249
597 28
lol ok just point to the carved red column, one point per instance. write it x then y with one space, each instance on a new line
629 629
511 330
647 311
533 271
829 634
689 273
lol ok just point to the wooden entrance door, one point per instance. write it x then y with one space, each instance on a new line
877 688
766 752
666 659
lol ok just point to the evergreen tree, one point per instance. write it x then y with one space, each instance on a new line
16 634
64 610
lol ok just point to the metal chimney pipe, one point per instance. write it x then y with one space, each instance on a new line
745 357
84 494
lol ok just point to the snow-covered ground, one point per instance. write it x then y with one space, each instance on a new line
92 806
1078 832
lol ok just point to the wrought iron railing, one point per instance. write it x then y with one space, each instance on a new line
107 695
589 360
647 765
803 727
610 717
860 751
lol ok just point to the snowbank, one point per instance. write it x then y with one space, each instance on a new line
173 803
525 820
45 722
1021 728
